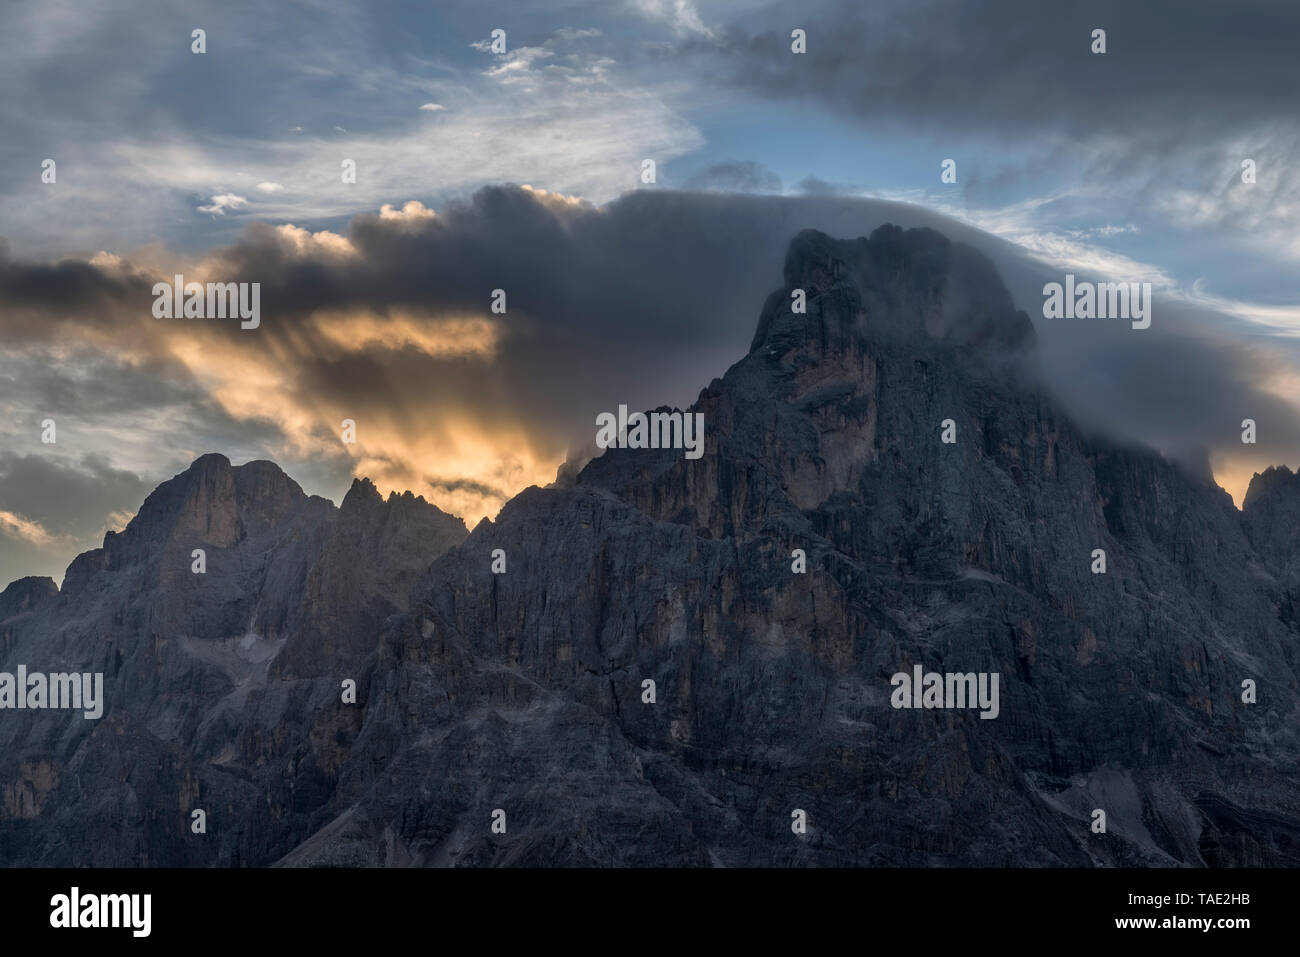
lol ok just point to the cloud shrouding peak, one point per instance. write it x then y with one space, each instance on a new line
227 166
640 302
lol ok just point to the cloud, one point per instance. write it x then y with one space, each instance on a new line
480 489
222 202
19 527
412 211
575 112
741 176
571 34
1163 73
118 520
53 507
1111 165
641 301
506 128
816 186
515 65
1156 129
680 14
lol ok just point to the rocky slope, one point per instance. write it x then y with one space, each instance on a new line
213 681
524 691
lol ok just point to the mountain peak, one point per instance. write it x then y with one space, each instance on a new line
361 494
829 446
26 594
208 462
211 503
1274 480
897 285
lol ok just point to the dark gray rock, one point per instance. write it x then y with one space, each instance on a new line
523 691
25 595
219 686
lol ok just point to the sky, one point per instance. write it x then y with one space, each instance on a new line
522 170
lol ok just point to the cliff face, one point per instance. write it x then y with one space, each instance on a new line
525 691
216 684
1271 513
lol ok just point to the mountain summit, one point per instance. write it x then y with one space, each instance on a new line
665 660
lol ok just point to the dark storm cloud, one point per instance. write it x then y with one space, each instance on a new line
1004 67
645 300
34 293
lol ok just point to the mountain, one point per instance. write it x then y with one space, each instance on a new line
214 682
524 692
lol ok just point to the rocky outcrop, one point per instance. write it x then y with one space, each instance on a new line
1271 515
653 680
374 553
26 595
207 675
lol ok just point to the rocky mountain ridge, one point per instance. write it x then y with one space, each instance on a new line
526 691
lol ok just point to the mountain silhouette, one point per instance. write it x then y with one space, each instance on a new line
654 680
